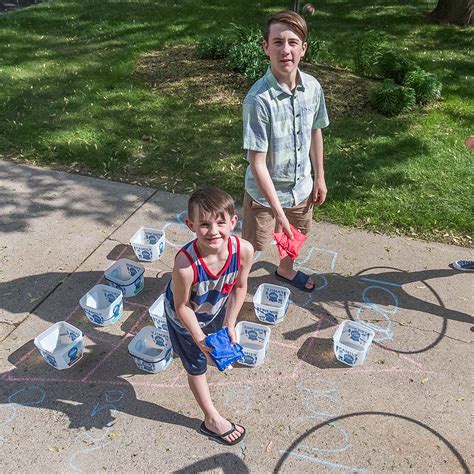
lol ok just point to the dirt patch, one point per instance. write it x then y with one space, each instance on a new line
179 72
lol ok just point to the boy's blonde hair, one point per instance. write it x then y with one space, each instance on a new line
211 200
295 22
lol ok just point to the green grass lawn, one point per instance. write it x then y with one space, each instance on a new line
70 98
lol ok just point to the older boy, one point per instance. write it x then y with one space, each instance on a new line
283 114
206 293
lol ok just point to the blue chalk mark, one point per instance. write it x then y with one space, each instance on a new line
42 396
388 332
369 302
111 397
114 396
380 281
333 465
179 217
310 253
12 414
330 392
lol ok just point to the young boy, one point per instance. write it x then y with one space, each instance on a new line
283 114
206 293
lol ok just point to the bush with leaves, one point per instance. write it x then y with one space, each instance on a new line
214 47
426 85
318 52
246 54
396 66
390 98
367 50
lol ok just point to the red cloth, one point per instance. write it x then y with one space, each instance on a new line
287 246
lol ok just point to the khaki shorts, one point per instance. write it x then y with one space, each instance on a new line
259 223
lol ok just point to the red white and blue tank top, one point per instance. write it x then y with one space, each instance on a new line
209 292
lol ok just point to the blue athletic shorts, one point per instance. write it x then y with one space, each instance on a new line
193 359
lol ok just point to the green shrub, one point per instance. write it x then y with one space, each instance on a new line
394 65
367 49
256 68
248 57
390 99
214 47
318 52
427 87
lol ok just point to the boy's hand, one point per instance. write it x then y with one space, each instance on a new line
232 334
283 225
319 191
205 350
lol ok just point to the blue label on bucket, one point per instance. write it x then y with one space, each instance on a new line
275 295
248 359
49 359
255 334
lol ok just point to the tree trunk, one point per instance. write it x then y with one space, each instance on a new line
460 12
295 6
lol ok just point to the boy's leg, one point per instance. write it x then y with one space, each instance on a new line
212 419
301 217
195 364
258 223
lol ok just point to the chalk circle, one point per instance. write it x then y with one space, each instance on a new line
383 283
27 396
181 225
377 289
332 421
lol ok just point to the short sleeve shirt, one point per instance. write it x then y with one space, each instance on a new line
279 122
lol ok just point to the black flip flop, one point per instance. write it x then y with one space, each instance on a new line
299 281
220 437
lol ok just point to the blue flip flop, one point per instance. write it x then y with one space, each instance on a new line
299 281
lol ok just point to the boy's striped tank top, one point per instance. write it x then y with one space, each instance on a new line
209 292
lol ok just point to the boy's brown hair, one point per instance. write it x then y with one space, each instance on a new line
211 200
295 22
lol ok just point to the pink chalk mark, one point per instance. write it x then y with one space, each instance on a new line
282 344
114 349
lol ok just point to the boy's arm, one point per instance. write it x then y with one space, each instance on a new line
258 165
183 277
317 160
239 292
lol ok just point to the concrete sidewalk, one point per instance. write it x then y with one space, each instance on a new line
409 407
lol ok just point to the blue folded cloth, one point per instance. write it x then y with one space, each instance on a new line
223 354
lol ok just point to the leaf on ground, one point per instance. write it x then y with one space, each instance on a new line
55 449
387 248
269 446
113 434
461 399
421 287
425 380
